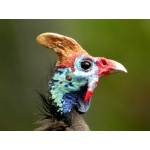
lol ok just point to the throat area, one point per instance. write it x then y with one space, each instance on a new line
67 92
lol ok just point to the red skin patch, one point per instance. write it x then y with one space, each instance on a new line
106 73
88 95
104 67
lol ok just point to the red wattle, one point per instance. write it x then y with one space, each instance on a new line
88 95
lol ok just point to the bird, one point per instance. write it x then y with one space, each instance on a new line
74 78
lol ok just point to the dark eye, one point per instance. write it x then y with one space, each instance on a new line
86 65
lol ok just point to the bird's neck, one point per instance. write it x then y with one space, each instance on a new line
66 95
60 93
78 124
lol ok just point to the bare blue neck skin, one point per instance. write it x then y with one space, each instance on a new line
67 91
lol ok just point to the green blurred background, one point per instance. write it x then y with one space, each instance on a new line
120 102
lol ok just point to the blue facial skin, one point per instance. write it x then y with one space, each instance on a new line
67 88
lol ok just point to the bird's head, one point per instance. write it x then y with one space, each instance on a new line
77 73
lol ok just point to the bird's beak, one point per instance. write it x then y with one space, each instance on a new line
105 67
108 66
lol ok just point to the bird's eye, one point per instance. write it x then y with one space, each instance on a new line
86 65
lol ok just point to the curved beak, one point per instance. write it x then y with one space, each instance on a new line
116 67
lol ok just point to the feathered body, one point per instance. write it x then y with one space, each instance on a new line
75 77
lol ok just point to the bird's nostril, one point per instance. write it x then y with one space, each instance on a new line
104 62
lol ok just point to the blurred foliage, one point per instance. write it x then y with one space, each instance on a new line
120 102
